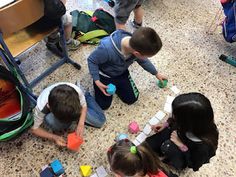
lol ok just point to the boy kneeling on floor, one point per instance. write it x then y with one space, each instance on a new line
59 105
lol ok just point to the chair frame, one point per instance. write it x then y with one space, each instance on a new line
12 61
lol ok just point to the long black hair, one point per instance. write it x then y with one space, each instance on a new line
193 113
123 162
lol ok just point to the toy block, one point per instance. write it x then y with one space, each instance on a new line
94 175
57 167
111 89
153 121
85 170
162 84
47 172
44 167
133 127
168 107
175 90
141 137
147 129
101 172
160 115
169 99
121 136
74 141
136 142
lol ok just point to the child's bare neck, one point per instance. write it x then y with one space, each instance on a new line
125 47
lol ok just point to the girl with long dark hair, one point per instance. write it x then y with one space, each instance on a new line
189 138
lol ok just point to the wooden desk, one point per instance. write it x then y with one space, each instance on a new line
19 15
16 19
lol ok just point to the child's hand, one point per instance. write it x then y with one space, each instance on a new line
60 141
158 127
80 130
102 87
161 77
175 139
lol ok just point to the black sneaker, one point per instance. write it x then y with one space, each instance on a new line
55 48
135 24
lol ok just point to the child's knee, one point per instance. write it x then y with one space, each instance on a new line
130 101
96 120
101 122
105 105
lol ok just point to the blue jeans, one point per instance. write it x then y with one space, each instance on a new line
95 116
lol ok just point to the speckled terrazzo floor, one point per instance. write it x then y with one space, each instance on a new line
189 58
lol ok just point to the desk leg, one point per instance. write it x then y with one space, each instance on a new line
10 61
27 90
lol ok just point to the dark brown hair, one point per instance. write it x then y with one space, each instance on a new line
146 41
64 103
123 162
193 113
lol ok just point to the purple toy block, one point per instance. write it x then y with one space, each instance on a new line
133 127
47 172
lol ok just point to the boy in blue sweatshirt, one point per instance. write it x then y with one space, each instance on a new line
110 61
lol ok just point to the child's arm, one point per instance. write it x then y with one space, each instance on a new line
99 56
160 77
45 134
102 87
80 127
36 130
149 67
175 139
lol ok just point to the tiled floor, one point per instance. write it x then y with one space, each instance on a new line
189 58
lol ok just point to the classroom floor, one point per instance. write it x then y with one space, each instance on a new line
189 58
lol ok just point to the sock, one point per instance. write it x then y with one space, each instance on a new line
139 24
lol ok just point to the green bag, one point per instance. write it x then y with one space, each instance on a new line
89 27
14 125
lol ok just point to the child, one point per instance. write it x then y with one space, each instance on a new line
53 43
109 63
126 159
123 10
60 104
190 137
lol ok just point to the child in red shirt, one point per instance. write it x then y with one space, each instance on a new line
126 159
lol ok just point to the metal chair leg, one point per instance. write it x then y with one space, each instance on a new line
64 48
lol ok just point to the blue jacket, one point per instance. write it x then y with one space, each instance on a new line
107 57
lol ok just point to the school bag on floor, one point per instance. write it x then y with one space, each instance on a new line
89 27
15 106
229 24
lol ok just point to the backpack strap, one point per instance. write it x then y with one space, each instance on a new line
92 34
27 123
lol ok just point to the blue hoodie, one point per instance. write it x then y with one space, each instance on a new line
107 57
